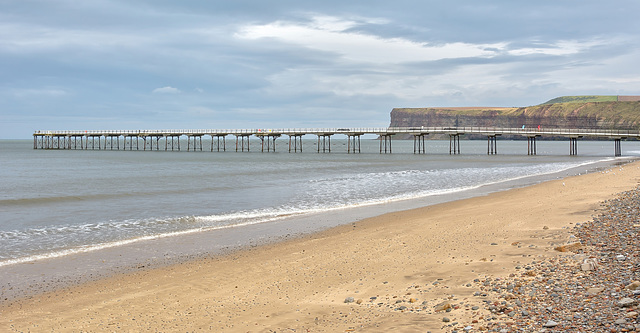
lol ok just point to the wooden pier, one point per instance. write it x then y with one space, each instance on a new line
154 139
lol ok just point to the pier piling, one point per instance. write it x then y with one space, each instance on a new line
454 144
573 146
531 145
297 142
492 145
353 142
326 142
385 142
419 146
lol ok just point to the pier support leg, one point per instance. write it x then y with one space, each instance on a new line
196 144
454 144
240 142
297 141
492 145
419 146
573 146
324 140
353 143
217 140
618 147
386 138
271 142
531 145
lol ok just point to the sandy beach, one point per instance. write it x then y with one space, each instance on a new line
387 273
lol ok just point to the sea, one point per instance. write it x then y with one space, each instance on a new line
56 205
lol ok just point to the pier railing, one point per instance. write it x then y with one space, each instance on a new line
358 130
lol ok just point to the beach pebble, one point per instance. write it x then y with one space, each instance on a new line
589 265
349 300
627 302
443 307
594 291
578 289
633 285
446 319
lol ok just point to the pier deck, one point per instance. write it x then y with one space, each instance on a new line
150 139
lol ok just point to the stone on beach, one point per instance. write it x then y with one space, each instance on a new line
633 285
589 265
442 307
627 302
573 247
596 290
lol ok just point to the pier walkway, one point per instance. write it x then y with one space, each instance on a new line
170 139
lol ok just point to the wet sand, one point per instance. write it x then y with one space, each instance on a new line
383 273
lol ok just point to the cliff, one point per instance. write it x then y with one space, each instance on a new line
623 112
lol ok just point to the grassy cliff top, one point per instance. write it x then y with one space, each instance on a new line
602 107
582 99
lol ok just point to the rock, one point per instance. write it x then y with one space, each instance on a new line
446 319
627 302
349 300
550 324
475 308
631 314
468 328
620 321
494 243
359 301
573 247
620 257
594 290
589 265
444 306
545 228
633 285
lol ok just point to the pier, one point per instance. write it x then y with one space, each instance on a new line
170 139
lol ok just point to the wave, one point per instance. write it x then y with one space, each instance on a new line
43 200
58 240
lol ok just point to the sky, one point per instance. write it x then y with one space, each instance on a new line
213 64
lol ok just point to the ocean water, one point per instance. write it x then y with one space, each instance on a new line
56 203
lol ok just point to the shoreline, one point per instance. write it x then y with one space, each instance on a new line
29 279
387 272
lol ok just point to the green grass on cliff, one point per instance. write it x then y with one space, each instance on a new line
605 108
581 99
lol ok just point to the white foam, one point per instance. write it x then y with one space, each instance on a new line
244 218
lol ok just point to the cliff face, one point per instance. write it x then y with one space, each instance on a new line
606 115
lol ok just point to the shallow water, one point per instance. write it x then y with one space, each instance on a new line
59 202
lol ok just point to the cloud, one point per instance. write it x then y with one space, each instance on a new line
45 92
304 62
337 36
166 90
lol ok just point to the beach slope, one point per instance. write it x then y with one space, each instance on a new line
399 271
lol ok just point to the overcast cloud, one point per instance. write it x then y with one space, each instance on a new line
115 64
